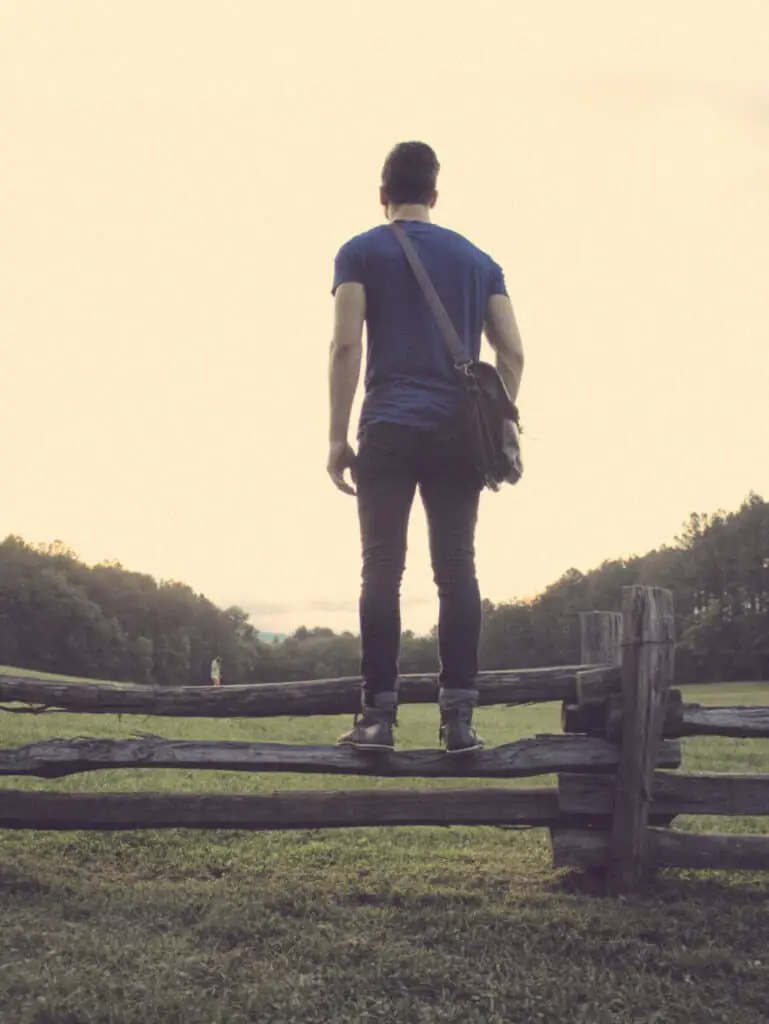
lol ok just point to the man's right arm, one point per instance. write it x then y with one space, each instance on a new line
504 337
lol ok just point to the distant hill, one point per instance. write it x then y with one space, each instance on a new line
60 615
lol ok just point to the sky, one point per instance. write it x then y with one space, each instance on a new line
176 177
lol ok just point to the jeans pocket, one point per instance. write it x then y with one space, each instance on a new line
384 439
385 455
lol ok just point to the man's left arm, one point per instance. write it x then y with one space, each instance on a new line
344 373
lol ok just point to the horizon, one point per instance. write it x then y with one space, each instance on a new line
177 184
298 621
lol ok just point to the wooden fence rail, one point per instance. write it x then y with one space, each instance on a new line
543 755
603 717
622 727
316 697
672 794
20 809
737 722
666 848
637 719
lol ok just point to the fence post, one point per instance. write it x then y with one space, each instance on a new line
648 631
600 636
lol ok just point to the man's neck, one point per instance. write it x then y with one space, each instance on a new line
409 211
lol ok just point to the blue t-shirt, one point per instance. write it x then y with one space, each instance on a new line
410 377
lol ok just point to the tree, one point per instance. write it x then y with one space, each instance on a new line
58 614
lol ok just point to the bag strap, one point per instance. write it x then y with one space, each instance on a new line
447 328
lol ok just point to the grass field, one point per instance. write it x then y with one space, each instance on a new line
398 925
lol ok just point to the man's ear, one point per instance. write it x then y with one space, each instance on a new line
434 199
385 202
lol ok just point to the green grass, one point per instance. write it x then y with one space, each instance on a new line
362 925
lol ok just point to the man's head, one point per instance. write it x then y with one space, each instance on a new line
410 176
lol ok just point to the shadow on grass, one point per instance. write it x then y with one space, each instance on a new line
16 883
730 888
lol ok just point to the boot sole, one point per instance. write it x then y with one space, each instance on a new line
368 746
465 750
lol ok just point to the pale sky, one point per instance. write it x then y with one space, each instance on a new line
177 175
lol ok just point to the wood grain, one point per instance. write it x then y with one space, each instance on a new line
667 848
672 794
293 810
264 700
647 672
541 755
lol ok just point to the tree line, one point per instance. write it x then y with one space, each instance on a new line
59 615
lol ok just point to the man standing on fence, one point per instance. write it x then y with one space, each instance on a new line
412 435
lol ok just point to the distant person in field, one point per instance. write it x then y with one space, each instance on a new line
411 435
216 672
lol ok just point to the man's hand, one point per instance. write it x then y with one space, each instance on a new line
340 458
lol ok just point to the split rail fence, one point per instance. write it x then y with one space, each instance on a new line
610 812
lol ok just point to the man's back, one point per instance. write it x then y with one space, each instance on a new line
412 438
410 378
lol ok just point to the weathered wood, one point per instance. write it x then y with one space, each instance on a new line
542 755
596 683
740 722
667 848
292 810
600 644
588 718
600 638
264 700
604 717
647 671
672 794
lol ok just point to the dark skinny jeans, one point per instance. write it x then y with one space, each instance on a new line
393 461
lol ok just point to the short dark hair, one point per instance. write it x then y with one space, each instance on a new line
410 173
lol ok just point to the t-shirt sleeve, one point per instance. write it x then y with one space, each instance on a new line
497 285
348 266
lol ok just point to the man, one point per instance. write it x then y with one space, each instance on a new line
411 436
216 672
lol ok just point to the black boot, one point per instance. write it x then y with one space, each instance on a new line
373 725
456 732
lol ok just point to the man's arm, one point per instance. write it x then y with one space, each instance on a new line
344 373
345 359
504 337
